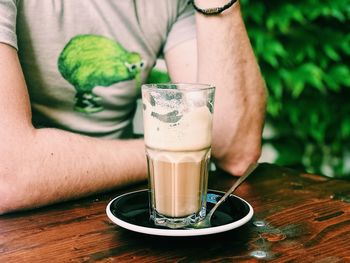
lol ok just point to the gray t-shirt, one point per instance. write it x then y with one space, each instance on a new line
84 61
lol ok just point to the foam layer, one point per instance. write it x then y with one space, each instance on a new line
191 132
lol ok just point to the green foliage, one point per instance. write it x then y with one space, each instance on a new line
158 76
303 49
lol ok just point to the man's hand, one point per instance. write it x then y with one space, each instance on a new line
226 60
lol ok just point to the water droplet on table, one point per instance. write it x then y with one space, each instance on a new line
259 223
258 254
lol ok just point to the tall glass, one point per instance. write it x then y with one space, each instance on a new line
178 129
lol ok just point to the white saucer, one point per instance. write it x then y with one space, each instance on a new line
130 211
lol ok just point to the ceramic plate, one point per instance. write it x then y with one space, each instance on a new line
130 211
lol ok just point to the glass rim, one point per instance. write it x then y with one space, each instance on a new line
181 86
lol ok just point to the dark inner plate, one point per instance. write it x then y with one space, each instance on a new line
133 209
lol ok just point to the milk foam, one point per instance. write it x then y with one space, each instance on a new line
191 132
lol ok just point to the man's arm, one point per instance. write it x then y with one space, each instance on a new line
225 59
43 166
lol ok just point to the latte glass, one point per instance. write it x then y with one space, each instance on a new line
178 130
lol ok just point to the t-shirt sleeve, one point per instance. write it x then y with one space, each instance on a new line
184 27
8 13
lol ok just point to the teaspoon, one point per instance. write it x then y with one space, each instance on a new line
206 222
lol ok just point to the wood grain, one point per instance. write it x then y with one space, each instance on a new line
298 218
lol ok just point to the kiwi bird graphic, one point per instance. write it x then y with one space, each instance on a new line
88 61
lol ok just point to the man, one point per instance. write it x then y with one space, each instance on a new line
67 96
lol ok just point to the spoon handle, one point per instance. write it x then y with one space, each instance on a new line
250 169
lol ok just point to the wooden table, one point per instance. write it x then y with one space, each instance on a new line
298 218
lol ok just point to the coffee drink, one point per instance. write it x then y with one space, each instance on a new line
177 128
178 181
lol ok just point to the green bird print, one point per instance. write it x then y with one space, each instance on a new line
88 61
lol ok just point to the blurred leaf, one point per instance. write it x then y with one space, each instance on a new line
331 53
345 129
298 88
312 75
341 75
275 85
